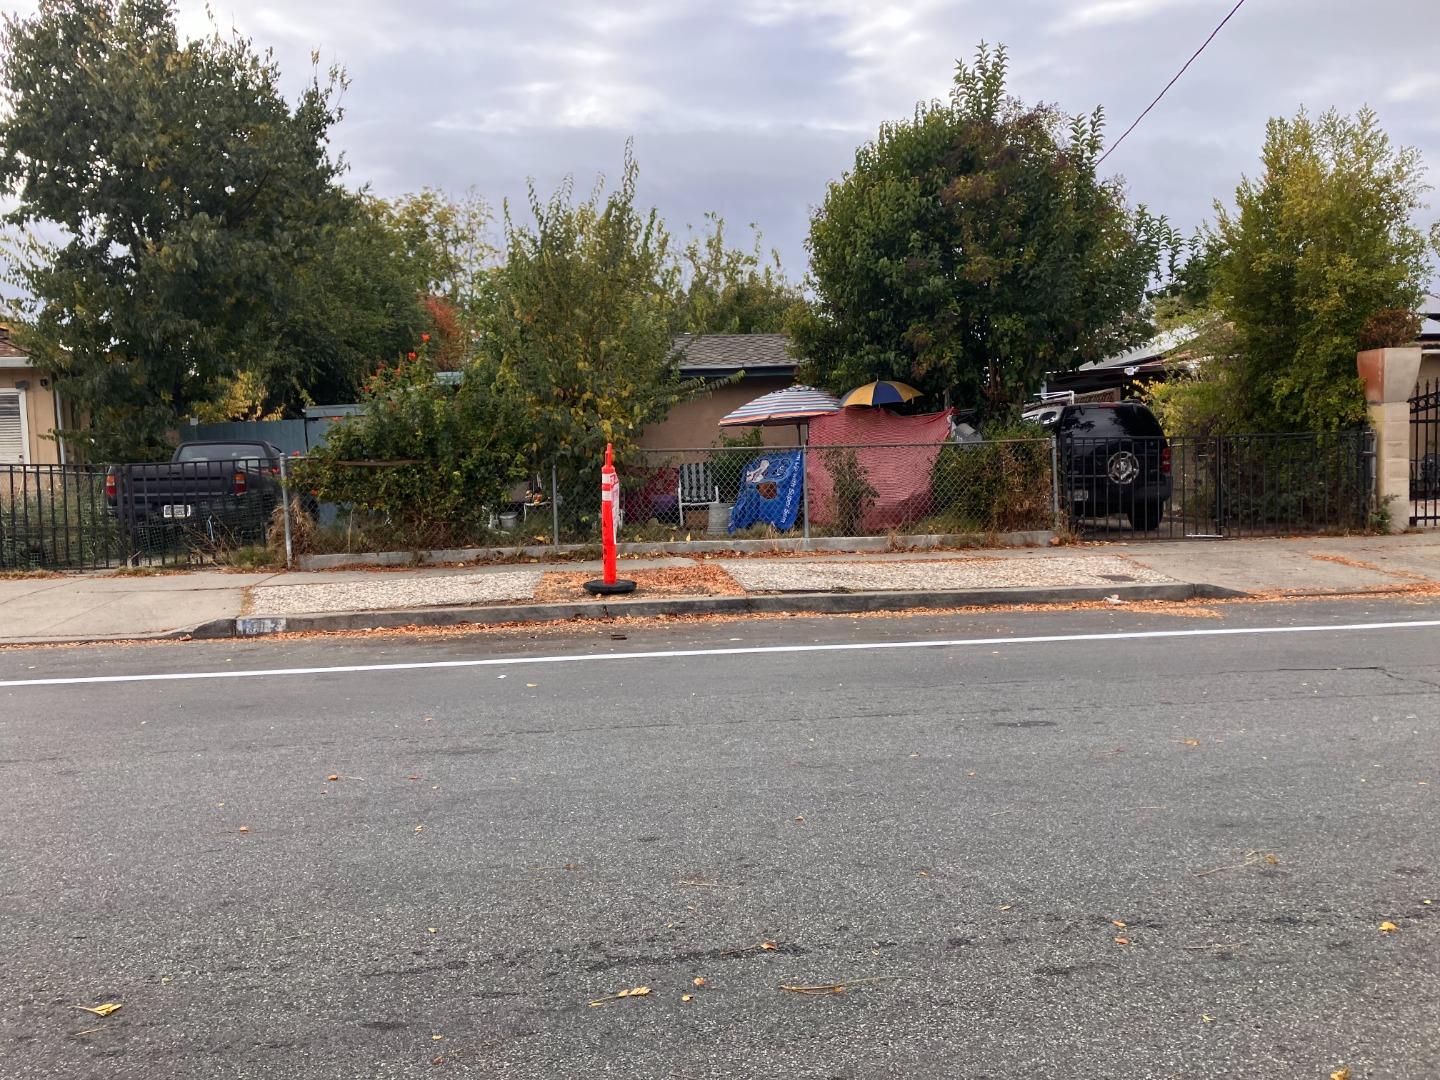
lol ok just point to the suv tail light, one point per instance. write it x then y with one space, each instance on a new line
1165 461
240 484
110 487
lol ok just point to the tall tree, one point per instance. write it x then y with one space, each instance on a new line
972 248
729 290
1316 260
449 238
581 321
189 191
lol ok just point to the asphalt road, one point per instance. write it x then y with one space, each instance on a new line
954 833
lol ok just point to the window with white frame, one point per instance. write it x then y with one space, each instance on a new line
13 436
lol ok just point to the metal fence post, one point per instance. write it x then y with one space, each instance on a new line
804 490
554 506
285 512
1054 482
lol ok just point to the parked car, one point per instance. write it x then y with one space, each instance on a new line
1114 459
232 486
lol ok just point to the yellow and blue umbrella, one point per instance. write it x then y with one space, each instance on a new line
883 392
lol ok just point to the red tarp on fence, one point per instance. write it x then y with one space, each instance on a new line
899 477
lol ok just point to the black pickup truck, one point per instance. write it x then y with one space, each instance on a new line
233 486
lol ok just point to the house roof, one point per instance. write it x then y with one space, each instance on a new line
725 354
7 347
1154 349
1430 317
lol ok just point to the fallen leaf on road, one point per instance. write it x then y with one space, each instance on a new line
1388 927
633 992
1122 941
532 685
768 946
1342 1073
1191 742
101 1010
430 929
335 776
1006 907
1272 860
412 778
244 828
438 1059
1117 922
1206 1018
419 828
436 1038
687 997
700 981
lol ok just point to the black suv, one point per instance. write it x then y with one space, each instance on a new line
1114 459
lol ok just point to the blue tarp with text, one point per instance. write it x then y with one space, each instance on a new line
770 491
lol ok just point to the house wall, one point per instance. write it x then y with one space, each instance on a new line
40 414
696 423
1430 367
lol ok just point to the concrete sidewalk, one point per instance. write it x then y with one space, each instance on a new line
103 606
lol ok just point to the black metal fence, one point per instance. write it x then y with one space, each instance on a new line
1425 454
1218 486
63 517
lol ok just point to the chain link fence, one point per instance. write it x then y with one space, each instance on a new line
75 517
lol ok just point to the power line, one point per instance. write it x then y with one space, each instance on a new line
1171 83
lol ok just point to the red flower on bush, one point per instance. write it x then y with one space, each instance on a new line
424 337
410 355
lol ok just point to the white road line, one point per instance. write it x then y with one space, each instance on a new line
747 650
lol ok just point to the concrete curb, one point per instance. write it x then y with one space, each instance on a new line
829 603
441 556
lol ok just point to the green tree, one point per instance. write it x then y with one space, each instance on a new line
428 460
354 303
450 240
728 290
580 324
188 190
972 248
1314 261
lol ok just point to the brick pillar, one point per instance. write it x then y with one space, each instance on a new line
1390 376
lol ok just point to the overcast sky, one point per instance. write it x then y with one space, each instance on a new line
749 107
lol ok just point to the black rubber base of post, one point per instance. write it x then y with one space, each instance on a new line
604 588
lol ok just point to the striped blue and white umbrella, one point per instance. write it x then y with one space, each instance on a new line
793 405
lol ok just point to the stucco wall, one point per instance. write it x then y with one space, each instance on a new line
1430 367
695 423
40 414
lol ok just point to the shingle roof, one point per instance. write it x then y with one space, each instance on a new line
8 347
722 354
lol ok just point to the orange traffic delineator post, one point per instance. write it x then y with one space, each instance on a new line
611 584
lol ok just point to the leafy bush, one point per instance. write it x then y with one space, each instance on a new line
1000 485
426 458
853 493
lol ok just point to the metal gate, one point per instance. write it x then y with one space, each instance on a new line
1425 454
1208 487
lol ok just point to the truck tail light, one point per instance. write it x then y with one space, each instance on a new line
240 484
1165 461
110 487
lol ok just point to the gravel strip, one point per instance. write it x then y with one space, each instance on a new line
386 592
793 576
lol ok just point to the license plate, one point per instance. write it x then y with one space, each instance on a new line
177 510
1079 496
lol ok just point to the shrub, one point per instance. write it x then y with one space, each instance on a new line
429 459
1000 485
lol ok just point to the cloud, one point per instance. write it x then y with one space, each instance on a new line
751 107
